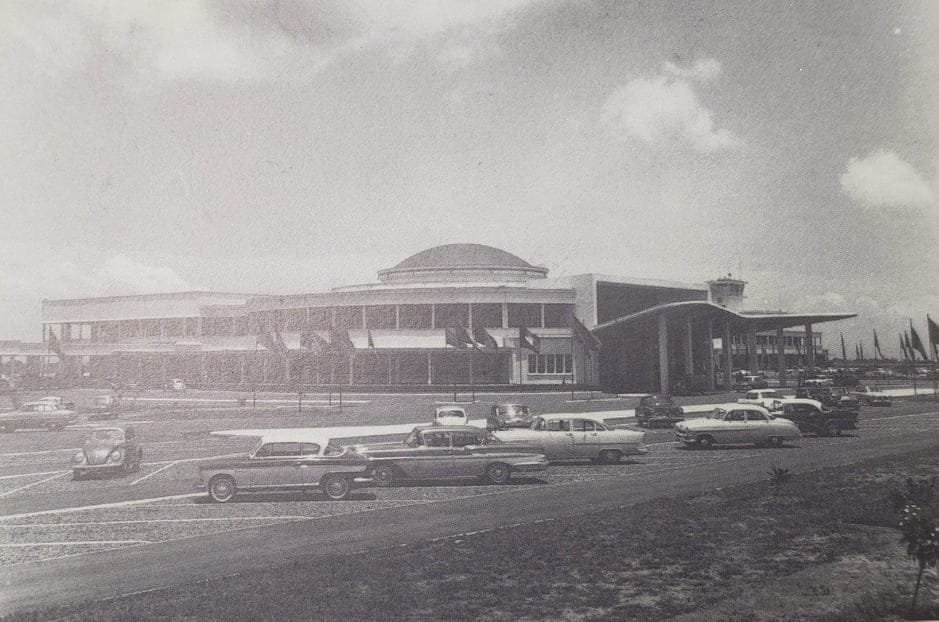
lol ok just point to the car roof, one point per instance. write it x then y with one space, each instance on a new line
802 400
511 404
735 406
448 428
555 416
296 437
453 407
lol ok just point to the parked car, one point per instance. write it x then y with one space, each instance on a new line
108 450
822 394
818 382
105 406
571 436
658 410
286 461
767 398
746 383
870 396
177 384
450 415
503 416
736 424
57 402
36 415
814 417
450 451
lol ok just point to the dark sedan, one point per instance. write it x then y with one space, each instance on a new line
658 411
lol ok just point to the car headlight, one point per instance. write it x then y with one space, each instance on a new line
116 456
78 458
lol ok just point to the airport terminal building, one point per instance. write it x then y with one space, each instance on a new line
457 314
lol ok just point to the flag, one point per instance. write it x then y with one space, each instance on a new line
55 345
459 337
862 350
857 353
528 340
339 342
903 347
583 335
910 355
485 340
310 340
371 342
917 343
877 347
933 336
844 355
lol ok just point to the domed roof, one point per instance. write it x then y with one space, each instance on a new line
462 263
462 256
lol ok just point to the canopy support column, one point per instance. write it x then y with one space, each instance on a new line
663 355
781 356
728 358
752 364
709 361
809 346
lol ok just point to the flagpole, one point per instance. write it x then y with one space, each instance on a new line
573 378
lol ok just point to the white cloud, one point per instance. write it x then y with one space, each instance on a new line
703 70
123 275
884 179
242 39
663 110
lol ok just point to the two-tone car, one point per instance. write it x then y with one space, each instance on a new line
736 424
450 415
450 452
286 462
811 416
108 450
502 416
39 414
658 411
871 396
767 398
564 436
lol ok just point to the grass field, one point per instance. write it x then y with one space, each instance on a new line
738 553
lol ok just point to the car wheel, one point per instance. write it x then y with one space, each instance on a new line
128 466
383 476
498 473
834 429
610 456
336 487
705 442
775 441
222 488
78 476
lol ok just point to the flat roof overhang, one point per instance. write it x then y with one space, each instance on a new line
697 310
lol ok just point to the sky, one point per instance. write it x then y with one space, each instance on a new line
289 146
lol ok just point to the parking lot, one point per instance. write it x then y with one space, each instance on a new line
46 515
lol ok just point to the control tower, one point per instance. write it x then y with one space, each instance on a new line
727 292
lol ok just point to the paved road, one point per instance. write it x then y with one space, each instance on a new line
668 471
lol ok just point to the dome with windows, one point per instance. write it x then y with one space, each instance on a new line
462 262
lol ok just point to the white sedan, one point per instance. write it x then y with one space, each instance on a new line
736 424
576 436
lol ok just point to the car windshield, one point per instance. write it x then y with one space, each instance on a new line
717 413
491 439
516 409
450 413
107 435
333 449
660 401
413 439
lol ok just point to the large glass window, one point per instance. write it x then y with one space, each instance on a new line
321 318
526 315
294 319
348 317
487 315
380 316
557 316
448 315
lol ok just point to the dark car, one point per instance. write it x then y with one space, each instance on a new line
813 417
108 450
504 416
747 383
821 394
658 410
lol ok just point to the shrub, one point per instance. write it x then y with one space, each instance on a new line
918 509
779 476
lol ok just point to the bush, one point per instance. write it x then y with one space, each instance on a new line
918 509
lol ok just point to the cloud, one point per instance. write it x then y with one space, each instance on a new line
241 39
703 70
665 109
123 275
883 179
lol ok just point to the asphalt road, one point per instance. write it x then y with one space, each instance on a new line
667 471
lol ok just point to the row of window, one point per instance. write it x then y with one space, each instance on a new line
550 364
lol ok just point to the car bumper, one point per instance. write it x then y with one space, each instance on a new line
686 437
97 468
526 467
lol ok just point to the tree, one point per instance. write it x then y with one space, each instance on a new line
918 508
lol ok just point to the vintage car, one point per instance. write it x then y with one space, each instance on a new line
105 406
176 384
564 436
748 382
450 415
108 450
658 410
736 424
58 402
287 462
503 416
814 417
767 398
870 396
36 415
445 452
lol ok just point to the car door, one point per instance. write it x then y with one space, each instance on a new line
276 465
433 458
585 441
733 429
758 428
312 467
558 439
468 458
